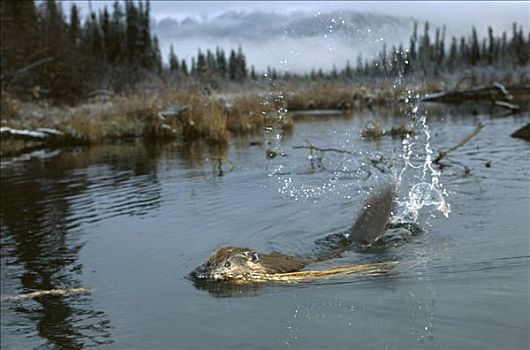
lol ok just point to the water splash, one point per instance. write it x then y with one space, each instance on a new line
426 188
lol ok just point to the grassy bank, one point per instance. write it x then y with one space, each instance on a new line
190 113
185 115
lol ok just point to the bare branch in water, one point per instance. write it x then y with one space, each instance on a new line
376 163
40 293
443 154
311 147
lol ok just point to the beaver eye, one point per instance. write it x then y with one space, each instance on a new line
227 264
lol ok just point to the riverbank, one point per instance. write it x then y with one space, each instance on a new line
190 113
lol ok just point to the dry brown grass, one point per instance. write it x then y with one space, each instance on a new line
319 95
401 131
207 117
372 131
337 95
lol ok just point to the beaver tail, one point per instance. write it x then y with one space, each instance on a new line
369 225
373 216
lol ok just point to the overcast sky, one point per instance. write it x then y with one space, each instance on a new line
500 14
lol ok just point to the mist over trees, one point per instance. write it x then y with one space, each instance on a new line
426 56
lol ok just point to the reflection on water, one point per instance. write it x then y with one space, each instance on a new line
131 220
44 203
39 252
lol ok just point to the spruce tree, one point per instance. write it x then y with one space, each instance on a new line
232 65
184 68
173 61
202 67
452 59
253 74
132 32
75 25
474 51
116 47
491 46
222 66
105 29
241 64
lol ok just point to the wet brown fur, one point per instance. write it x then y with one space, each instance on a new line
237 262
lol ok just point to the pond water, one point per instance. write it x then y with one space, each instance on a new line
131 221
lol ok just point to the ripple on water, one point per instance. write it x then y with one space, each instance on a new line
132 224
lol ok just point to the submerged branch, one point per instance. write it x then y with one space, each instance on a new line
316 160
443 154
311 147
40 293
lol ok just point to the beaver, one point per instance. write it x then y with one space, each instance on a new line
234 263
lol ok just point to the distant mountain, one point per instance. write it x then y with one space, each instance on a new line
297 41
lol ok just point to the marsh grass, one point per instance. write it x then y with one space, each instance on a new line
401 131
319 95
344 96
207 117
138 115
372 130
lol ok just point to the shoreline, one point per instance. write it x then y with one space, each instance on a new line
214 117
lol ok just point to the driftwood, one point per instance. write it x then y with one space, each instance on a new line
504 91
371 269
41 137
39 134
316 154
41 293
443 154
507 97
172 112
496 92
101 94
507 105
311 147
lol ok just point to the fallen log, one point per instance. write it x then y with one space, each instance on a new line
37 134
504 91
507 105
41 293
41 137
480 93
172 111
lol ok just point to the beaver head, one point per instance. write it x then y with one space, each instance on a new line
232 263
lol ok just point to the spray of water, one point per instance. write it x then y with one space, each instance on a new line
421 178
417 179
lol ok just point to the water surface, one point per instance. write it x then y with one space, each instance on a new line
132 220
